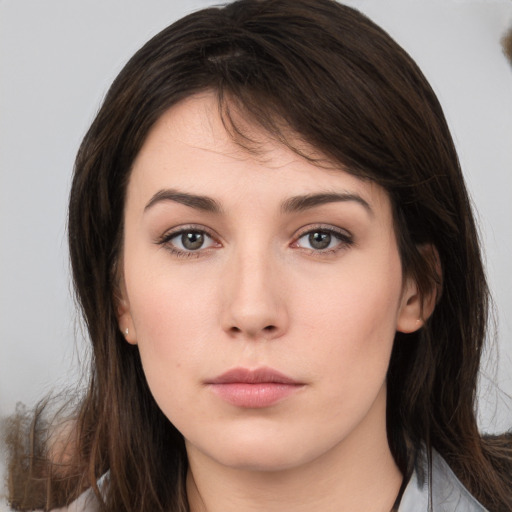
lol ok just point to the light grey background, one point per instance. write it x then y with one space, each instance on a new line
57 59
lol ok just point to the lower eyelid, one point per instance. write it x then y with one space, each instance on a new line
343 241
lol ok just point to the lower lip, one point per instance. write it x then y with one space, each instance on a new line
254 396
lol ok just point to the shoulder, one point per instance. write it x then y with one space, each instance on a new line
448 493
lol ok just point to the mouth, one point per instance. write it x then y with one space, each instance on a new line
253 389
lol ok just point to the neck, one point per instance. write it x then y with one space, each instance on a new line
357 474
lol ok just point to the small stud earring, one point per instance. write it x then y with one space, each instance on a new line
126 331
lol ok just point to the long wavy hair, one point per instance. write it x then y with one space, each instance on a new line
328 75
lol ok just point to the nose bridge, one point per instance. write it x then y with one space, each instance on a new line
254 304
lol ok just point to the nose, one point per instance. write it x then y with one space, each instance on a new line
254 305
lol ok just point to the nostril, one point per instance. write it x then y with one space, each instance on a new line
269 329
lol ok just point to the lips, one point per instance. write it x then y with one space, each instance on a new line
253 389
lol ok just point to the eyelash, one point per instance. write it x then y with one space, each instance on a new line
344 238
165 241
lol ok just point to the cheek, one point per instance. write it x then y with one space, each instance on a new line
364 289
352 317
174 321
172 316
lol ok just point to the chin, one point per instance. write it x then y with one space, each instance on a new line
260 459
260 451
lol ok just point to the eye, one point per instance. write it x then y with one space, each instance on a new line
187 241
323 240
190 240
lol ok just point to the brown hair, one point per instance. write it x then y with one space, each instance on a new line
507 44
332 77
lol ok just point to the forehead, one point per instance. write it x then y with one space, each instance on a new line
190 148
202 124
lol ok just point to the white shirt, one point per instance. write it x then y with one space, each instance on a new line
448 493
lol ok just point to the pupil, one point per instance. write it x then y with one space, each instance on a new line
192 240
319 240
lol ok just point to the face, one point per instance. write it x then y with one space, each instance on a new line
263 293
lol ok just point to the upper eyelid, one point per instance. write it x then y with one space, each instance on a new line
299 233
172 232
344 237
322 227
165 241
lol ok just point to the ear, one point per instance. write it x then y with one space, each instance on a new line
415 307
123 313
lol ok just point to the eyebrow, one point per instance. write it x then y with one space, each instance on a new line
291 205
203 203
305 202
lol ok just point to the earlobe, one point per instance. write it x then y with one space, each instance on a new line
411 314
126 326
124 317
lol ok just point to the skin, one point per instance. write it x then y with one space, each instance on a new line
258 293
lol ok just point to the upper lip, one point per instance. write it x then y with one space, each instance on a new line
256 376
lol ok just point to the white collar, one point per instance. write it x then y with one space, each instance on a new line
448 493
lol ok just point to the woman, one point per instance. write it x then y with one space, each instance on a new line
274 252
